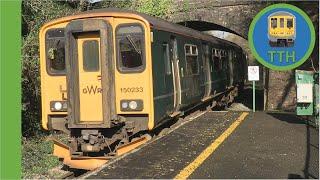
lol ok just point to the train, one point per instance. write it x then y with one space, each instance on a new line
108 76
281 29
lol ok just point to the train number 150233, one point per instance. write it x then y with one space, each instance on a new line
131 90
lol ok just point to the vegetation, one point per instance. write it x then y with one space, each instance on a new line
156 8
37 158
34 14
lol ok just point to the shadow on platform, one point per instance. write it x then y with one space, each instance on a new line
311 167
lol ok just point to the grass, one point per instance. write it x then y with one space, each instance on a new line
37 158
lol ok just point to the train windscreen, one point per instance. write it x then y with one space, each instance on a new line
130 48
55 51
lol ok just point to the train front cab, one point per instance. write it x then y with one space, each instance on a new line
281 29
106 79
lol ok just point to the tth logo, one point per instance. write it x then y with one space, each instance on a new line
281 37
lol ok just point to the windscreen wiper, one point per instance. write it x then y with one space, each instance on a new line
133 44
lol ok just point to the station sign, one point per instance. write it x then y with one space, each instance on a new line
253 73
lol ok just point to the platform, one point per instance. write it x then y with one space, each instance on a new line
263 145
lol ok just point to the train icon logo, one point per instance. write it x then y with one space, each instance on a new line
281 29
281 37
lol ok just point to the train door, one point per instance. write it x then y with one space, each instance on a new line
90 76
90 91
207 73
176 75
218 74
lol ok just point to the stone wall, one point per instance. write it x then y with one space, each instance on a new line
234 15
281 91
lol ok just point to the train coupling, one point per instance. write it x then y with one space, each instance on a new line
61 150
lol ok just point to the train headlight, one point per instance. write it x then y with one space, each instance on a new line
131 105
124 105
58 106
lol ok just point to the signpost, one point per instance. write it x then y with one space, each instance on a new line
253 75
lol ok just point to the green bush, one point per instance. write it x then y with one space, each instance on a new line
162 9
34 14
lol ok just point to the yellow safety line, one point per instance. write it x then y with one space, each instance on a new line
187 171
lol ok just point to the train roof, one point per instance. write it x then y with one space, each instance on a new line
154 22
159 23
281 13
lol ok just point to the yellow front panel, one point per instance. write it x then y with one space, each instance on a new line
90 92
53 88
91 106
135 85
281 31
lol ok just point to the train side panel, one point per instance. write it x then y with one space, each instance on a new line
218 70
192 80
163 90
221 58
53 79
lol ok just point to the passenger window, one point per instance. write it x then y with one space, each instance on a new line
194 50
188 50
281 22
90 49
289 23
166 58
130 43
192 66
55 52
273 22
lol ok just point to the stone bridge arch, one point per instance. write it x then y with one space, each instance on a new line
235 16
231 16
207 26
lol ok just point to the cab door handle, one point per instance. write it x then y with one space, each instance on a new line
99 77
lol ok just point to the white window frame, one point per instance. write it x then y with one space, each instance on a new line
191 54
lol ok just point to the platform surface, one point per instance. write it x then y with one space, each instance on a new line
264 145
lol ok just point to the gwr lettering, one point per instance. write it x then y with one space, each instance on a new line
131 90
279 55
91 90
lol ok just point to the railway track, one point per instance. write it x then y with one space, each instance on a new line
68 175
